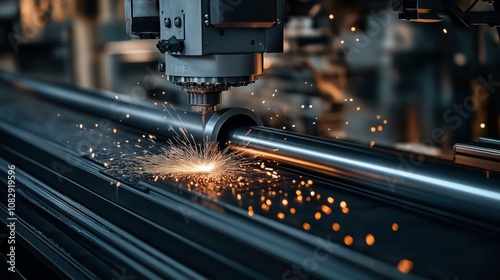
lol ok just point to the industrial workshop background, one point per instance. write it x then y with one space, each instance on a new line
287 139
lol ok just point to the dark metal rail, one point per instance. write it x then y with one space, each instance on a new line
484 154
146 231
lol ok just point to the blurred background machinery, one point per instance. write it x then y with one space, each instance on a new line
351 69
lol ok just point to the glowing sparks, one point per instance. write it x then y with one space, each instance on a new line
405 265
250 211
327 210
348 240
317 216
203 165
395 227
306 226
195 162
336 226
370 240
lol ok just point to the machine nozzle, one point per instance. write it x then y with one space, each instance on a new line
204 102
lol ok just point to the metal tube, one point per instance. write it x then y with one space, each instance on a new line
428 184
132 111
442 187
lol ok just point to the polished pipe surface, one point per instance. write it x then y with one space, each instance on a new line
160 120
441 186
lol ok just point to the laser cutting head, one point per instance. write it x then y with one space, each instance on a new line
209 46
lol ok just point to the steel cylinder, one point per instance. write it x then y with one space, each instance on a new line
433 185
427 183
156 119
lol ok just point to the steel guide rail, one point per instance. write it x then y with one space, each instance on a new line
115 248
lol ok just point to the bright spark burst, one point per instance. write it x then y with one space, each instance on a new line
184 159
201 167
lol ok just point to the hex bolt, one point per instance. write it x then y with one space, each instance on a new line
163 46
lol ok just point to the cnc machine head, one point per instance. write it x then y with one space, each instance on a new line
209 46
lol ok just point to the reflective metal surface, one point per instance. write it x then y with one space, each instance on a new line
293 223
484 154
159 118
459 192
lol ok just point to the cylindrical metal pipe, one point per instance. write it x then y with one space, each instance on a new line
132 111
442 187
446 188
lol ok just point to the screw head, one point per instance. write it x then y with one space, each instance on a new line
177 22
161 66
167 22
